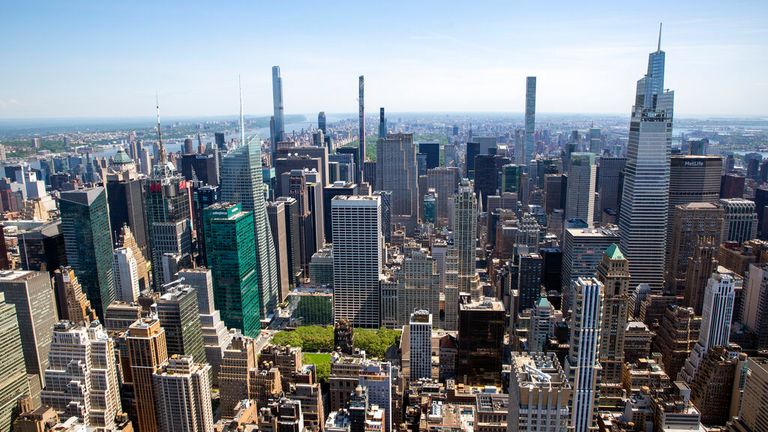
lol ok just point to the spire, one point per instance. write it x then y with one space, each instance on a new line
242 121
161 149
658 48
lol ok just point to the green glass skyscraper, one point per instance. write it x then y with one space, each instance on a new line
88 243
230 247
241 182
13 374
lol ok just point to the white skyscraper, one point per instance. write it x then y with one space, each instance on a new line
644 204
126 275
183 395
420 343
81 379
580 203
716 318
357 259
582 363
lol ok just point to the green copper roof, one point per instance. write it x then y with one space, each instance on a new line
614 253
121 157
543 303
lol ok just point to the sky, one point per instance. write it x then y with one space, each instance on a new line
108 58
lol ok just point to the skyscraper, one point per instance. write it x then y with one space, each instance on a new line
481 341
321 122
82 373
582 363
183 395
88 241
382 124
126 199
277 225
241 182
30 293
580 201
613 273
465 236
609 182
147 353
530 120
755 309
357 259
71 302
420 344
126 274
396 171
277 103
644 204
231 254
361 128
178 312
13 380
716 318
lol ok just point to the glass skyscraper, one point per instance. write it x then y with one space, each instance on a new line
644 205
88 242
231 255
241 182
530 120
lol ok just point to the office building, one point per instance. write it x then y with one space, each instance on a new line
81 378
169 221
580 202
127 240
716 381
126 275
88 242
71 302
240 357
278 109
700 268
183 395
530 121
481 336
644 211
716 319
732 186
465 236
357 259
582 252
676 336
610 177
331 191
418 284
755 310
30 292
739 220
13 380
613 273
147 353
753 415
444 180
432 150
582 363
691 222
529 280
178 312
125 199
231 253
539 394
242 183
555 192
420 345
277 226
41 248
396 171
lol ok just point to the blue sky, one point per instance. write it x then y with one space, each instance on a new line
107 58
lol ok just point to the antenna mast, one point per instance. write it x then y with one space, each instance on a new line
658 48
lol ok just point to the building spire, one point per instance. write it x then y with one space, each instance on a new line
161 150
658 47
242 121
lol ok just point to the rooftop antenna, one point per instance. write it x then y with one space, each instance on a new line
242 121
161 151
658 48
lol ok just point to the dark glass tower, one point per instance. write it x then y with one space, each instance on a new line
88 242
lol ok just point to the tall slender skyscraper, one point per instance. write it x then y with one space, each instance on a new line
530 120
582 362
361 127
277 102
321 122
644 204
88 241
382 124
465 237
357 259
241 182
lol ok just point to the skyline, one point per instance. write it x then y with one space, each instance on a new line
419 58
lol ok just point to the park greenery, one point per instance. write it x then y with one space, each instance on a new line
372 140
313 339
